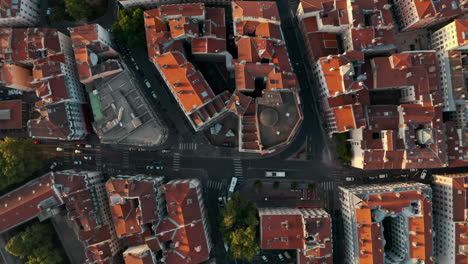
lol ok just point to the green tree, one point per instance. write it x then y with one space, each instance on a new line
35 245
258 184
130 26
78 9
293 185
18 160
239 227
276 185
343 148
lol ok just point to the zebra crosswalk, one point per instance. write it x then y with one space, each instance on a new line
188 146
176 162
98 158
215 185
126 159
238 170
327 186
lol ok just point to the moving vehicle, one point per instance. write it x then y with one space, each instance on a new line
232 186
277 174
53 165
149 167
78 151
159 167
88 146
423 174
77 162
60 149
153 94
88 158
349 179
166 151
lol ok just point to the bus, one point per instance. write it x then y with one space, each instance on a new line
276 174
232 186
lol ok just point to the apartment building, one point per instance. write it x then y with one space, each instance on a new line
19 13
451 218
162 223
42 60
84 198
451 44
156 3
266 98
413 15
94 53
308 231
387 223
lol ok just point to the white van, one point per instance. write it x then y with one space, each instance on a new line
147 84
275 174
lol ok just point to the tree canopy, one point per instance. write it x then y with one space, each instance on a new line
130 26
35 245
78 9
239 227
18 160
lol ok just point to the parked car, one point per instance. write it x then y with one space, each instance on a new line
413 170
77 162
88 158
372 177
147 83
166 151
37 142
60 149
423 174
287 255
88 146
53 165
383 176
264 258
49 11
78 151
349 179
221 201
280 256
159 167
149 167
153 94
404 175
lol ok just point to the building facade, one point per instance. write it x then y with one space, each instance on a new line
451 218
387 223
451 44
44 62
19 13
157 3
413 15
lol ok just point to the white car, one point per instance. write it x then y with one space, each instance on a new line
77 162
349 179
49 11
423 174
159 167
88 158
383 176
280 256
88 146
149 167
264 258
78 151
60 149
287 255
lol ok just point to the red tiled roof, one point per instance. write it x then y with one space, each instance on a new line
461 27
205 45
282 231
370 232
53 122
245 10
132 205
246 74
11 114
15 76
27 202
183 10
311 5
187 84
